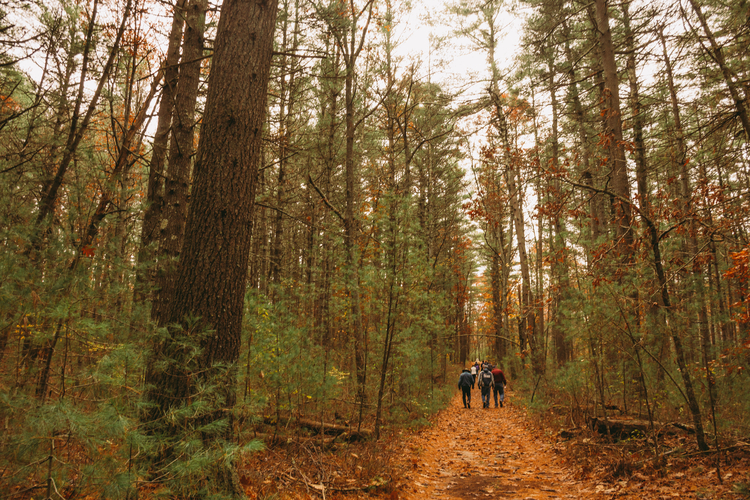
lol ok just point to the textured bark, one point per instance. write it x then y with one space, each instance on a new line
155 186
613 135
213 264
174 209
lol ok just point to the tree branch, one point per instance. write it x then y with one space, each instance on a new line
325 200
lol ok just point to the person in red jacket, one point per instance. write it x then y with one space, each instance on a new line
499 387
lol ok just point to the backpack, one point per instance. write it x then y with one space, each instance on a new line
485 379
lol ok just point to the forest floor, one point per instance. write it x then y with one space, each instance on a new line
496 453
488 453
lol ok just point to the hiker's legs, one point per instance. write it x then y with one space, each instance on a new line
466 395
485 397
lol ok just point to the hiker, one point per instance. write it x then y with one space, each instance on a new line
466 384
474 372
486 381
499 388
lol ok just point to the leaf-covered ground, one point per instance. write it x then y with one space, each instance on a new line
494 453
488 453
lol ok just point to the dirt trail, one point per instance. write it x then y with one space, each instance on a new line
487 453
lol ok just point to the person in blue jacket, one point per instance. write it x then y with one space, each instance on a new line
465 383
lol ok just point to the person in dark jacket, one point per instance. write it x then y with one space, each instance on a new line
500 383
485 382
465 383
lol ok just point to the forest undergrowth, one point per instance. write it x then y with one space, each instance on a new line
603 466
557 444
625 463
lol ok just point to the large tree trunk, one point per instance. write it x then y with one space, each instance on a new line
177 181
208 300
155 186
613 134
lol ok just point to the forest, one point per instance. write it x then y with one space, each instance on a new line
231 227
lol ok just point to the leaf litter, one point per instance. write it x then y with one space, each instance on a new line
498 453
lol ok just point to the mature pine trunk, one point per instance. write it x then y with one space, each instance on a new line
613 134
155 185
208 299
177 181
